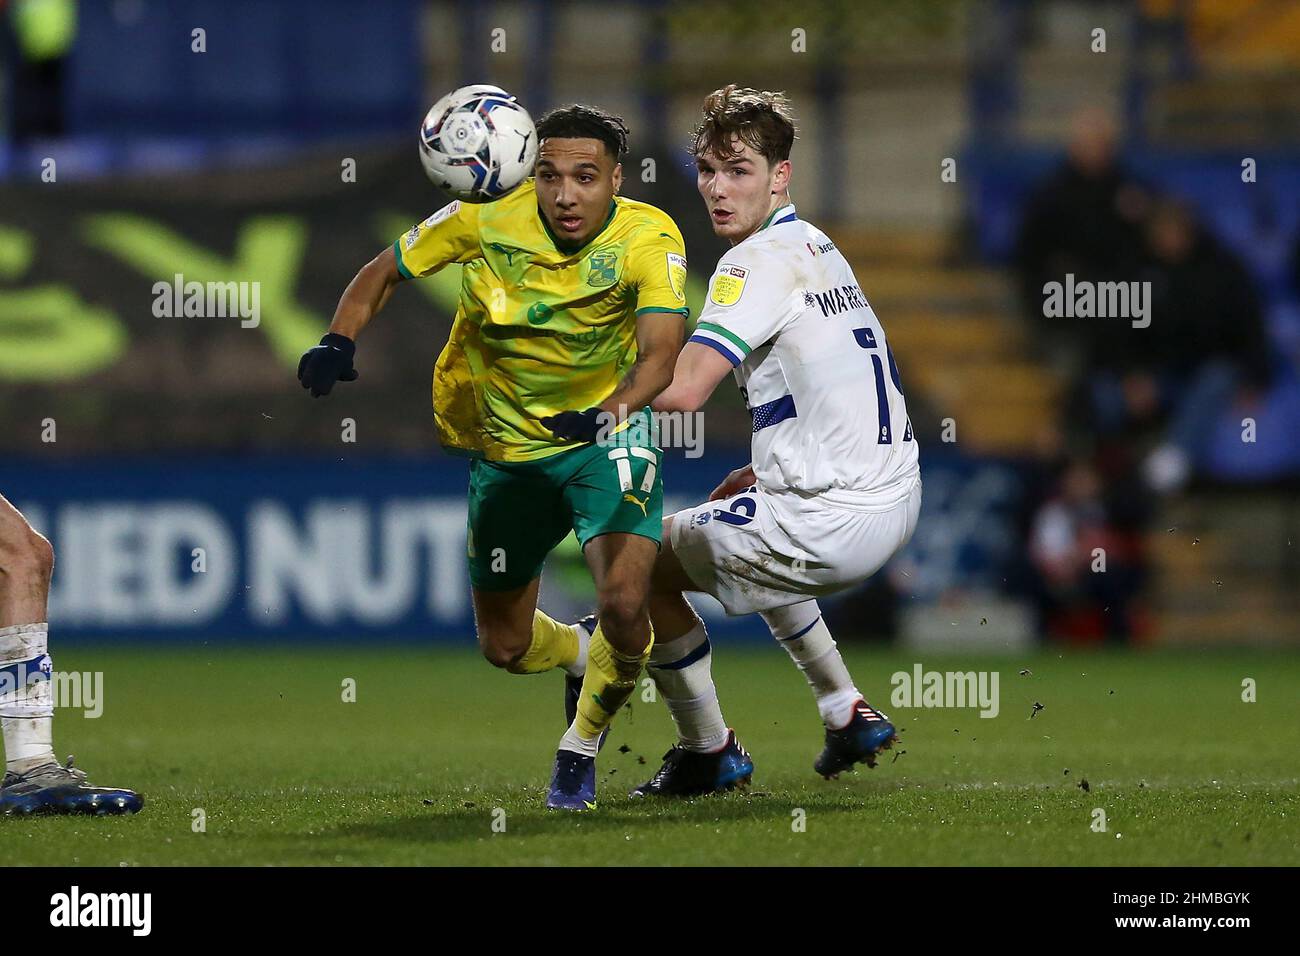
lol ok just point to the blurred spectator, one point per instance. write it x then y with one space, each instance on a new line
1204 303
1205 348
1084 219
1206 345
1089 567
1210 337
1144 397
36 37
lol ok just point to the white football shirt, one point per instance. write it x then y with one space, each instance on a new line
814 366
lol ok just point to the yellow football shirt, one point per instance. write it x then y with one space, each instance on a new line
538 329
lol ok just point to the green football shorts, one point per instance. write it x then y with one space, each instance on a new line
519 511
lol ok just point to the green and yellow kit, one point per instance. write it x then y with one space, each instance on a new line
541 328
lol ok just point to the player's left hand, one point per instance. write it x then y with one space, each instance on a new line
323 365
575 426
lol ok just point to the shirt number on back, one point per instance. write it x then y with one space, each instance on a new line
866 339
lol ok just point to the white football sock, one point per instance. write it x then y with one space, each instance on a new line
579 666
799 628
682 670
572 740
26 697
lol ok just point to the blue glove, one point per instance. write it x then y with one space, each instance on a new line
323 365
575 426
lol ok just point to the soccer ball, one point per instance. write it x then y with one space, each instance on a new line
477 143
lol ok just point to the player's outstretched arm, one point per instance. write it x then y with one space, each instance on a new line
331 361
366 294
698 372
659 337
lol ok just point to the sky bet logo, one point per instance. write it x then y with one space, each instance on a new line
76 909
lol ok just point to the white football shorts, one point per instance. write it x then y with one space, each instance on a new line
757 550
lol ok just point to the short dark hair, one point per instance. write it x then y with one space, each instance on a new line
760 119
578 121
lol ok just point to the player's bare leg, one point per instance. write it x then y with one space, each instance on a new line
620 566
503 622
34 782
514 634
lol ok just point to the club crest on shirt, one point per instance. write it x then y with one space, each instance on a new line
728 284
602 268
677 275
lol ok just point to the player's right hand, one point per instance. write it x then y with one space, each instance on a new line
734 483
323 365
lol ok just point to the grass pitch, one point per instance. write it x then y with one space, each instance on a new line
437 744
